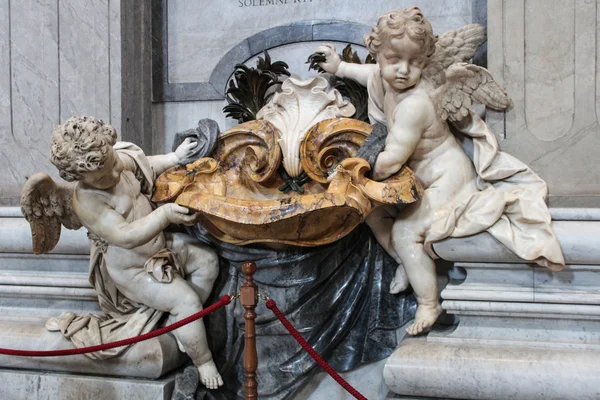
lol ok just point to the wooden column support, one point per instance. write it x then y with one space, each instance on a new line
249 299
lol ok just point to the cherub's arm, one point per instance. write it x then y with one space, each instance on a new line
161 163
358 72
334 65
412 117
99 217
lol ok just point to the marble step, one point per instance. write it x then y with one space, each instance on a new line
149 359
579 240
15 237
488 372
20 385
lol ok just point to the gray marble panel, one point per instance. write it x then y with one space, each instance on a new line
170 118
296 54
44 386
269 38
341 32
579 240
43 263
551 75
9 185
202 32
114 44
238 54
484 372
34 89
84 58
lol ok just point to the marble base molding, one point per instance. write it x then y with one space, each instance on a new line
35 288
17 385
523 332
483 372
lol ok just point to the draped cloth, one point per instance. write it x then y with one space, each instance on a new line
123 318
510 203
336 295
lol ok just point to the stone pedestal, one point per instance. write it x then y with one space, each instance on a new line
35 288
523 333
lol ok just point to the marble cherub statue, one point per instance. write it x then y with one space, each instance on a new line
418 88
138 270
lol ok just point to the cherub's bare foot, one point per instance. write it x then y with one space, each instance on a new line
400 281
425 317
209 376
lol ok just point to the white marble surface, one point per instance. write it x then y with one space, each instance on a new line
367 379
21 385
521 324
523 332
149 359
114 62
201 32
15 237
56 58
84 38
579 240
34 92
575 214
420 368
545 52
173 117
11 212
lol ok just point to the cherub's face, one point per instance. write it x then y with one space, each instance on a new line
108 176
401 61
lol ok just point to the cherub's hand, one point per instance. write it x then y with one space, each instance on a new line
332 58
177 214
185 149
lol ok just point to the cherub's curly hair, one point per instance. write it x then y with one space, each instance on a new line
397 23
81 144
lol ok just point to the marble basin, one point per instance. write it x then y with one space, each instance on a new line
240 192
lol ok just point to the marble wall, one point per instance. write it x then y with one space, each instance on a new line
545 53
58 58
203 34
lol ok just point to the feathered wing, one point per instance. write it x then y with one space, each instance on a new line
47 205
453 47
465 84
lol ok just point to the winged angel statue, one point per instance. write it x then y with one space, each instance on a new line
137 270
421 90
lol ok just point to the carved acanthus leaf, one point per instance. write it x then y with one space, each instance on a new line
299 106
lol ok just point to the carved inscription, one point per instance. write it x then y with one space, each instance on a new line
263 3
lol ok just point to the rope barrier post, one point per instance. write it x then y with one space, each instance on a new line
249 299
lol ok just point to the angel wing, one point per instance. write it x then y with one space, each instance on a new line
47 205
453 47
465 84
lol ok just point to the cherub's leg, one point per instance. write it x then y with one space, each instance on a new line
381 221
407 238
201 263
180 300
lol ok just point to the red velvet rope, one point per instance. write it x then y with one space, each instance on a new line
271 305
125 342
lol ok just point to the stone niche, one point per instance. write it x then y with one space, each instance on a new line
196 55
